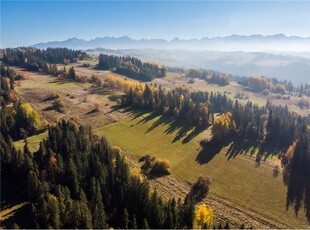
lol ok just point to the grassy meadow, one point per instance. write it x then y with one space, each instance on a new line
236 179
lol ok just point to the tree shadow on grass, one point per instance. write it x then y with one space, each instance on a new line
195 132
49 108
174 124
149 117
116 108
92 111
134 112
182 132
162 120
209 150
240 146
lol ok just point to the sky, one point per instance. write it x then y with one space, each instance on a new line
25 23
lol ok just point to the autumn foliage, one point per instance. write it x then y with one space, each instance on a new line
154 166
29 115
203 216
223 127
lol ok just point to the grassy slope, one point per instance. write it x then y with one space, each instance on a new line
33 142
237 180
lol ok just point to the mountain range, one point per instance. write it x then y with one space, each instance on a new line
278 43
277 55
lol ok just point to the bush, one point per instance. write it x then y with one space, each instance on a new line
154 166
53 96
59 105
161 167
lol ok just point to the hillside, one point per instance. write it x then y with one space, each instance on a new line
139 132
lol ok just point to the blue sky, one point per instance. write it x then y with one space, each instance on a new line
26 23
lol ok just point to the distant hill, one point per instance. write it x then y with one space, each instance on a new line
276 56
288 66
278 42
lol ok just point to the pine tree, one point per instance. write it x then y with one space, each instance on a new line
145 224
133 222
98 213
34 186
54 212
125 219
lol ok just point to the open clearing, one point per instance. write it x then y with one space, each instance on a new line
237 180
173 80
79 100
33 142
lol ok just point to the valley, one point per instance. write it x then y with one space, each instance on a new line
241 192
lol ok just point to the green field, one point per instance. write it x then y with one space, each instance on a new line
237 179
92 63
33 142
52 84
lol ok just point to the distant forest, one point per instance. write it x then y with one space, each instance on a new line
131 67
34 59
215 78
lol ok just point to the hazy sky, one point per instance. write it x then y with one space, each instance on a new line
28 22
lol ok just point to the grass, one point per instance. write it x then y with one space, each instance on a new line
33 142
50 84
77 64
171 75
237 179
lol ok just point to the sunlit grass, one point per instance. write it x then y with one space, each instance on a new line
237 179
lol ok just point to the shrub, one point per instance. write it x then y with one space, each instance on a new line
59 105
53 96
161 167
154 166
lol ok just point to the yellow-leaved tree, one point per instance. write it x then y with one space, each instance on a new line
203 216
29 115
223 127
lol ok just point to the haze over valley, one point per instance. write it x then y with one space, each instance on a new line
279 56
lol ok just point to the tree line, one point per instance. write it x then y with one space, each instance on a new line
210 77
131 67
34 59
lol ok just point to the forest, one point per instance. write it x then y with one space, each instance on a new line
75 181
34 59
131 67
